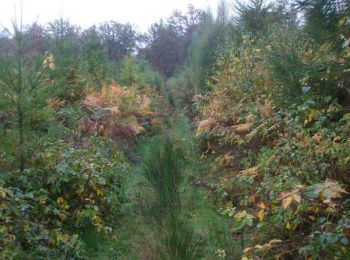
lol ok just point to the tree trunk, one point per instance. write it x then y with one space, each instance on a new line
20 111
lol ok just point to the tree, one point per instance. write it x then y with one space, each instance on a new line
94 57
36 38
257 16
322 17
211 39
22 93
119 39
165 50
168 42
64 45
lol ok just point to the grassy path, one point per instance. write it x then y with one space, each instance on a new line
140 236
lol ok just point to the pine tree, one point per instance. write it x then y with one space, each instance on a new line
322 17
22 95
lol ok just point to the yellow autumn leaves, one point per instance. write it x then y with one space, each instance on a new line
288 197
325 191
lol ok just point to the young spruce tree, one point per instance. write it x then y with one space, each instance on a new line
22 96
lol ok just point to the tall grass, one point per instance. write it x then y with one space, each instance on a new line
163 170
178 242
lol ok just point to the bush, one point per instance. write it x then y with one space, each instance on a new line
68 191
298 62
278 171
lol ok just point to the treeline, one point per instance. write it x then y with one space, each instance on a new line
311 25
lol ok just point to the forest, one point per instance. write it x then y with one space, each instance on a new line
217 134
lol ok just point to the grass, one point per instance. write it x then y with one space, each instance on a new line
167 215
162 168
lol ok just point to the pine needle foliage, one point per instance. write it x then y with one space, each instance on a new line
23 95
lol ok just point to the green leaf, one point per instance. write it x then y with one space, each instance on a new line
239 224
344 241
101 181
306 89
249 220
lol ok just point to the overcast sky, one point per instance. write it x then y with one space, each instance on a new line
84 13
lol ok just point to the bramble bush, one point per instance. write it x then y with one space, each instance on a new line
68 190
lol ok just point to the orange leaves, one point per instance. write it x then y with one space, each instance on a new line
115 112
325 191
265 247
268 245
223 161
317 138
2 192
55 104
266 109
119 100
133 125
49 62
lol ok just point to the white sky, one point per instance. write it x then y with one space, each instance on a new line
84 13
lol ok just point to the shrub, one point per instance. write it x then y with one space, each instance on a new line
279 171
69 190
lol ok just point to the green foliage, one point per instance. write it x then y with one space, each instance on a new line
94 59
181 89
179 242
63 62
271 98
162 168
290 55
207 45
132 71
23 98
257 16
169 158
322 17
297 62
279 171
67 191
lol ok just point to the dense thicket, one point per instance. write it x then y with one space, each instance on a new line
275 122
64 125
266 84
